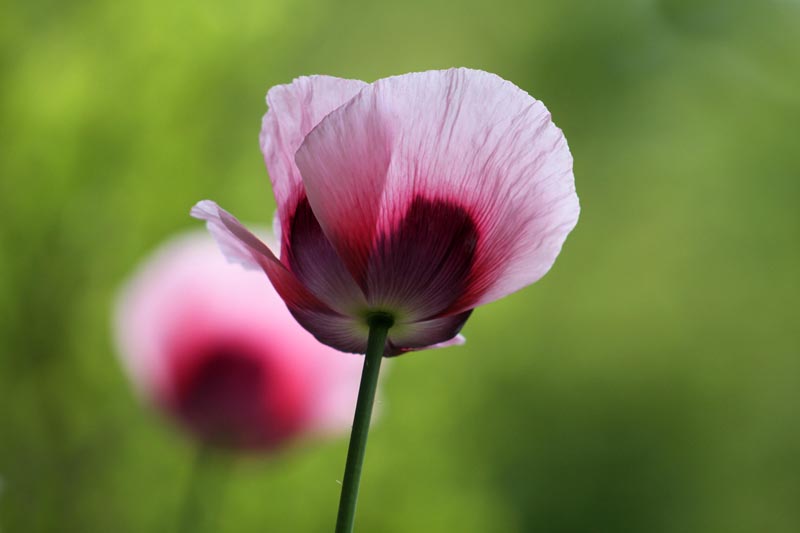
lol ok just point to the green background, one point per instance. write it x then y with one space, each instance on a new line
649 383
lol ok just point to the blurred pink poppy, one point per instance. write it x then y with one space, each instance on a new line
214 346
419 196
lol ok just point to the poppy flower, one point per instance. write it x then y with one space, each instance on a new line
418 197
214 347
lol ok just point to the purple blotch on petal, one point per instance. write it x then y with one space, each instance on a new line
312 258
423 265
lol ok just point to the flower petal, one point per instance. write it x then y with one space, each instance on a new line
344 163
294 110
241 246
346 334
423 266
458 340
435 333
350 334
463 137
187 291
310 256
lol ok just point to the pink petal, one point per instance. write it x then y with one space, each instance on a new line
240 246
344 162
186 302
462 137
294 110
458 340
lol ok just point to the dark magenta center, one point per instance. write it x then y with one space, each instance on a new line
227 396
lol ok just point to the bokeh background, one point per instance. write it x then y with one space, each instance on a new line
649 383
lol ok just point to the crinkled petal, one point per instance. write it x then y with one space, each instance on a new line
344 162
241 246
294 110
461 137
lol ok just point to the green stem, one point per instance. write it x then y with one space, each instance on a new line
204 491
379 325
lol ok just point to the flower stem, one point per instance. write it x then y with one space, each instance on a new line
204 491
379 325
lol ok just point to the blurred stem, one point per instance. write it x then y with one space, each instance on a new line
204 491
379 325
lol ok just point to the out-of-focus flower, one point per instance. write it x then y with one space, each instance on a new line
419 196
214 346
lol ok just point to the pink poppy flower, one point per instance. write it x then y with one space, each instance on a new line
420 196
214 346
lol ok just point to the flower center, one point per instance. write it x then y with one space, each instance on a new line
221 397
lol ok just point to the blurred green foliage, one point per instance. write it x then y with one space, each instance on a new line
650 383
